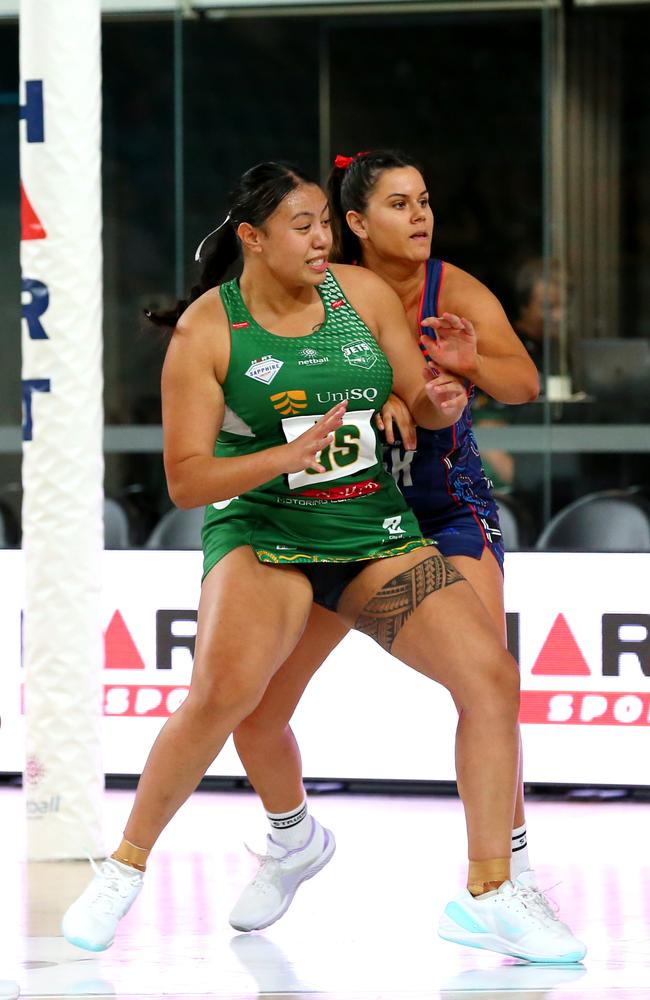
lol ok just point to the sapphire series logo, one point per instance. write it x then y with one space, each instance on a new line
264 369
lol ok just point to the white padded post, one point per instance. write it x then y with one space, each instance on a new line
61 260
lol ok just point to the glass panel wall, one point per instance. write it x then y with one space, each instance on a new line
597 328
139 192
532 128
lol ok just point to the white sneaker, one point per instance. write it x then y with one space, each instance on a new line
281 871
527 882
90 922
516 920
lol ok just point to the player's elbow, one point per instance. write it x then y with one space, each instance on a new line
181 485
531 387
180 496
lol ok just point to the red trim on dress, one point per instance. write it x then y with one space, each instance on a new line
442 275
421 306
454 434
427 357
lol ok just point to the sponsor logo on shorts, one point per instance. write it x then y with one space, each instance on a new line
393 525
300 501
360 354
369 394
347 492
264 369
312 357
222 504
289 402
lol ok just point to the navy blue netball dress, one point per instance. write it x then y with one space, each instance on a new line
443 481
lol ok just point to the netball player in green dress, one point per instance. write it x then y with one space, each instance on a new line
300 509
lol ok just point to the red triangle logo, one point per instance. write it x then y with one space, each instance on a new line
120 651
30 224
560 655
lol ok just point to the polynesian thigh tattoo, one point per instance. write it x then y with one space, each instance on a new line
384 615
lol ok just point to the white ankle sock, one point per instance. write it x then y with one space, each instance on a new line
291 829
519 861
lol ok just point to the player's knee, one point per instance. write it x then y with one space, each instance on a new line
503 694
256 731
234 695
496 688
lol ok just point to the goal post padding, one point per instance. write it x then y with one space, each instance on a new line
61 264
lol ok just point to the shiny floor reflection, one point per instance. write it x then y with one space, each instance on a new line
364 928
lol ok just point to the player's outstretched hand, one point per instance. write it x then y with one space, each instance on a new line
455 346
395 411
446 393
304 452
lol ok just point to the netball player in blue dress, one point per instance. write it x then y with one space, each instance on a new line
382 220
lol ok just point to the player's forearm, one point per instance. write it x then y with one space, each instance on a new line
202 479
508 379
426 414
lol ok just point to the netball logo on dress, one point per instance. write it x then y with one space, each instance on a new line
312 357
264 369
360 354
289 402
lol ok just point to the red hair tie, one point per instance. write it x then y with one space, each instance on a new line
344 161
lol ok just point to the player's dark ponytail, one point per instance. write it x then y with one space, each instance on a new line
346 248
254 199
349 186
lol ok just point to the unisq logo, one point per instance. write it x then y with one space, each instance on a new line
369 394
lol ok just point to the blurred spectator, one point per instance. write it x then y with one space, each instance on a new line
499 466
534 317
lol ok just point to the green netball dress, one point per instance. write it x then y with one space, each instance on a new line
275 389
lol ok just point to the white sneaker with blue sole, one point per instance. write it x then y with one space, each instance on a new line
516 919
281 872
91 921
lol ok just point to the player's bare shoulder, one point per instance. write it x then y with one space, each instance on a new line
367 293
204 330
461 292
203 317
357 280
